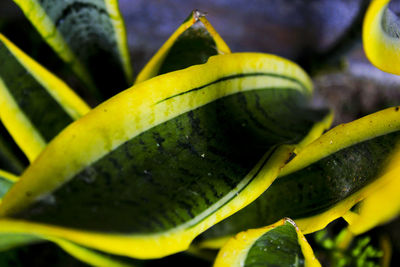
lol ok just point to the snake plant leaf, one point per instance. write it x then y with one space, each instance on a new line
92 257
381 36
192 43
280 244
149 170
380 207
34 104
88 35
326 179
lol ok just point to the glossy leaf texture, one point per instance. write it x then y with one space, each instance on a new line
89 36
192 43
381 36
327 178
152 168
201 36
34 104
280 244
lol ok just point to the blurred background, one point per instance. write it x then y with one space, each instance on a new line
323 36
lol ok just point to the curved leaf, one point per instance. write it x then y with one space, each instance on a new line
192 43
12 240
280 244
151 169
381 36
34 104
88 35
379 207
326 178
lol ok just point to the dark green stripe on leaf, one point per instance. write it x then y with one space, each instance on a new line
45 114
277 247
171 173
314 189
239 76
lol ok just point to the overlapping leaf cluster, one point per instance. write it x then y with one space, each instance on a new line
206 144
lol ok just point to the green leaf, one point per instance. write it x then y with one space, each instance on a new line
328 177
280 244
34 104
379 207
90 36
11 240
192 43
152 169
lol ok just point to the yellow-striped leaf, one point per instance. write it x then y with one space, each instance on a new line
381 36
280 244
88 35
192 43
379 207
148 170
327 178
34 104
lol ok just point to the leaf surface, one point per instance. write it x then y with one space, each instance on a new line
327 178
152 169
34 104
280 244
89 36
192 43
381 36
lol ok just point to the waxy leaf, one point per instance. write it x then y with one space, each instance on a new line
11 240
381 36
156 165
280 244
88 35
327 178
34 104
192 43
